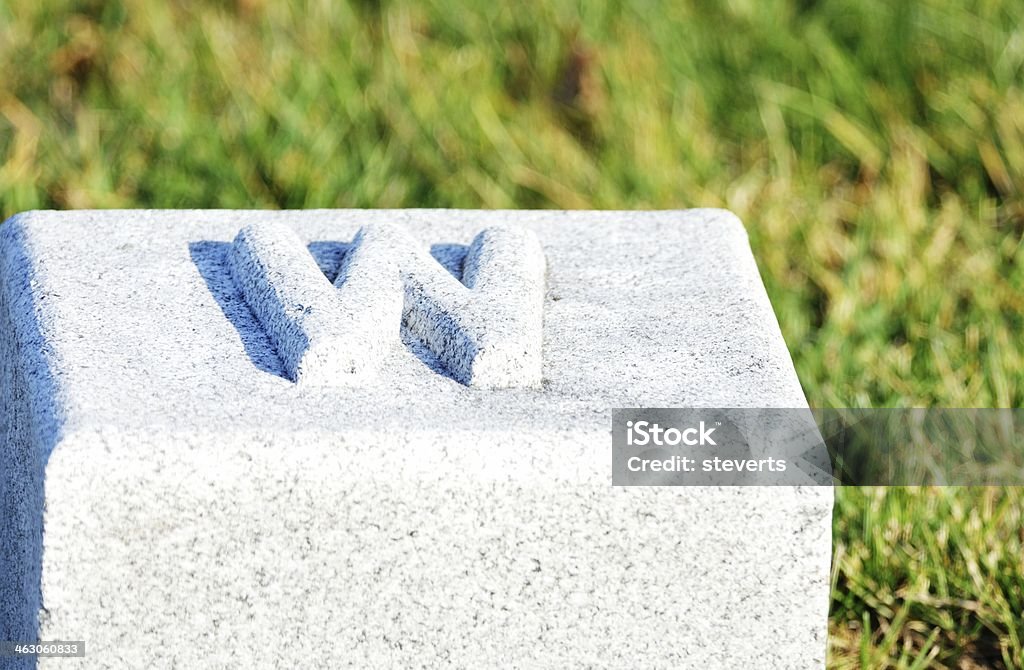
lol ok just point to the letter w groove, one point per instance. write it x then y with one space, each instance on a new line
486 330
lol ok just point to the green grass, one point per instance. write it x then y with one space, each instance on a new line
875 150
928 576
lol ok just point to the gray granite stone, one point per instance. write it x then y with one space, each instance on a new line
174 498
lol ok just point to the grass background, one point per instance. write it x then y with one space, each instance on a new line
875 150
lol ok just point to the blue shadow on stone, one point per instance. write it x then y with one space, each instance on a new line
211 261
31 422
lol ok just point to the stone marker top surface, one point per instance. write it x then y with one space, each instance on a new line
143 330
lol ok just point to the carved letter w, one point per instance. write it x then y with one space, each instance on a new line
486 330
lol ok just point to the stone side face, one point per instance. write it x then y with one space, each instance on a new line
28 426
202 508
20 539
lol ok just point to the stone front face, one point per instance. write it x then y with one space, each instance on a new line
203 506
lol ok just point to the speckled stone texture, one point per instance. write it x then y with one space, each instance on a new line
201 509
